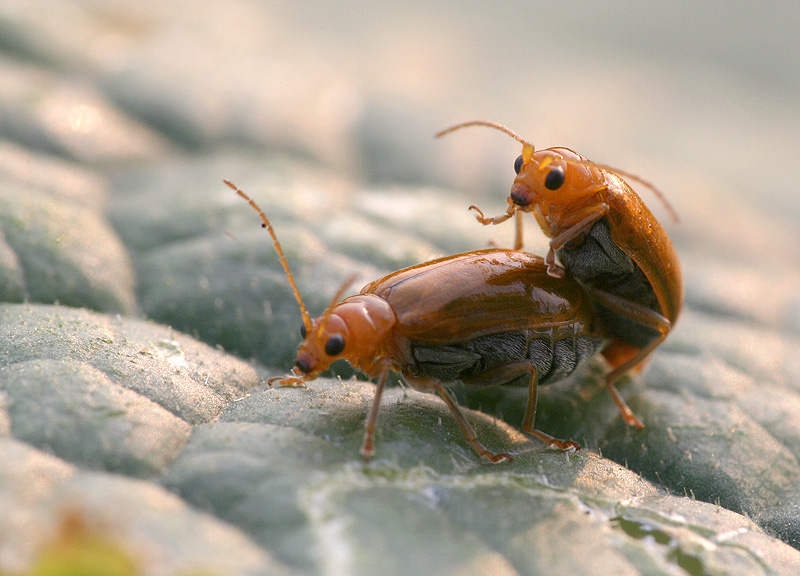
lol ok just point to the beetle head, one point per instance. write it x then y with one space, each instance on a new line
353 329
545 178
549 181
553 180
324 343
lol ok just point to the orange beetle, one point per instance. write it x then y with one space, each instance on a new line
485 318
607 239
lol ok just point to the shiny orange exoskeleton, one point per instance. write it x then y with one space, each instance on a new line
484 318
607 239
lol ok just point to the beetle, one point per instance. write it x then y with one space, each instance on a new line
607 239
484 318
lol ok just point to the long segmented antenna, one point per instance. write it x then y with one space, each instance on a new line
528 150
527 147
660 195
494 125
266 224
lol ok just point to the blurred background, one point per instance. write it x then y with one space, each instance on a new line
701 98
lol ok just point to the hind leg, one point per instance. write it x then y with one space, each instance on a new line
509 372
623 357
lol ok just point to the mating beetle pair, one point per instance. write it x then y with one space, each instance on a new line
493 317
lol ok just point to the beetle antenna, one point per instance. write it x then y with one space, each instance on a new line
494 125
265 223
660 195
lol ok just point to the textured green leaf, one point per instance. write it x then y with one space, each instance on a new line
107 392
58 250
282 464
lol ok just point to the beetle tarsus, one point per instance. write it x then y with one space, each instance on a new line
479 216
497 458
367 448
558 444
627 414
486 221
289 381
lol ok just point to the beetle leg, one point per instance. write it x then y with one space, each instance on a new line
553 269
627 362
518 233
367 447
466 429
594 213
638 313
486 220
530 416
512 211
288 381
508 372
625 411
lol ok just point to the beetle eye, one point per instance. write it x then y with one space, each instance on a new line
334 345
555 178
303 331
518 164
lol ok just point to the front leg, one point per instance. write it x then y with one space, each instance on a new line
367 446
486 220
288 381
579 223
512 211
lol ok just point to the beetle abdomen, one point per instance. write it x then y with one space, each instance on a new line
597 261
568 354
554 359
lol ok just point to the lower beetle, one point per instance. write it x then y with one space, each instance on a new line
484 318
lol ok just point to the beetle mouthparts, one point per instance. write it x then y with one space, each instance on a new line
520 194
303 365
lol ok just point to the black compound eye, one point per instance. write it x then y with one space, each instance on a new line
555 178
334 345
303 331
518 164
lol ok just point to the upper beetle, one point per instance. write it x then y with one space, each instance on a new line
607 239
